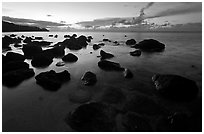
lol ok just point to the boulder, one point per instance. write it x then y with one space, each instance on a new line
175 87
105 55
72 44
41 60
56 36
28 39
14 65
107 40
13 35
11 56
109 65
57 51
92 117
95 46
50 35
40 43
17 45
131 42
89 78
31 50
90 37
150 45
70 58
127 73
101 44
51 80
15 77
135 53
135 123
67 36
6 41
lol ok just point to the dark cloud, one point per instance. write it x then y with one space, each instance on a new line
38 23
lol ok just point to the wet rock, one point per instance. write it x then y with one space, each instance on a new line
6 41
11 56
74 35
51 80
15 77
22 36
92 117
70 58
13 35
75 43
143 105
38 38
41 60
109 65
60 63
107 40
131 42
95 47
150 45
105 55
56 36
135 53
113 96
125 35
89 78
135 123
90 37
28 40
31 50
127 73
50 35
101 44
14 65
17 45
56 51
175 87
67 36
80 96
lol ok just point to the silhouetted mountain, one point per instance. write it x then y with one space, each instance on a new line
11 27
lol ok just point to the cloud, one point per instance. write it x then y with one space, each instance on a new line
179 10
39 23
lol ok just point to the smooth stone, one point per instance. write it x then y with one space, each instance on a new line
92 117
175 87
101 44
135 53
70 58
60 63
15 56
109 65
41 60
105 55
127 73
51 80
131 42
89 78
38 38
14 65
31 50
95 47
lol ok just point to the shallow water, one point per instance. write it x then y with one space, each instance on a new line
29 107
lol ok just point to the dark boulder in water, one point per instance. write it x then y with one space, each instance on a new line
101 44
14 65
95 46
109 65
175 87
92 117
13 35
89 78
50 35
150 45
28 39
40 43
135 123
11 56
135 53
90 37
55 52
127 73
105 55
17 45
131 42
70 58
15 77
67 36
56 36
31 50
41 60
6 41
107 40
38 38
75 43
51 80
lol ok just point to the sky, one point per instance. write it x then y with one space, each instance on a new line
94 15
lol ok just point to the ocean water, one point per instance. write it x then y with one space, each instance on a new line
29 107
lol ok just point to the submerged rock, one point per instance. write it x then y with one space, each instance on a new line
135 53
175 87
127 73
51 80
105 55
89 78
134 123
150 45
31 50
109 65
95 47
70 58
41 60
92 117
131 42
60 63
15 77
